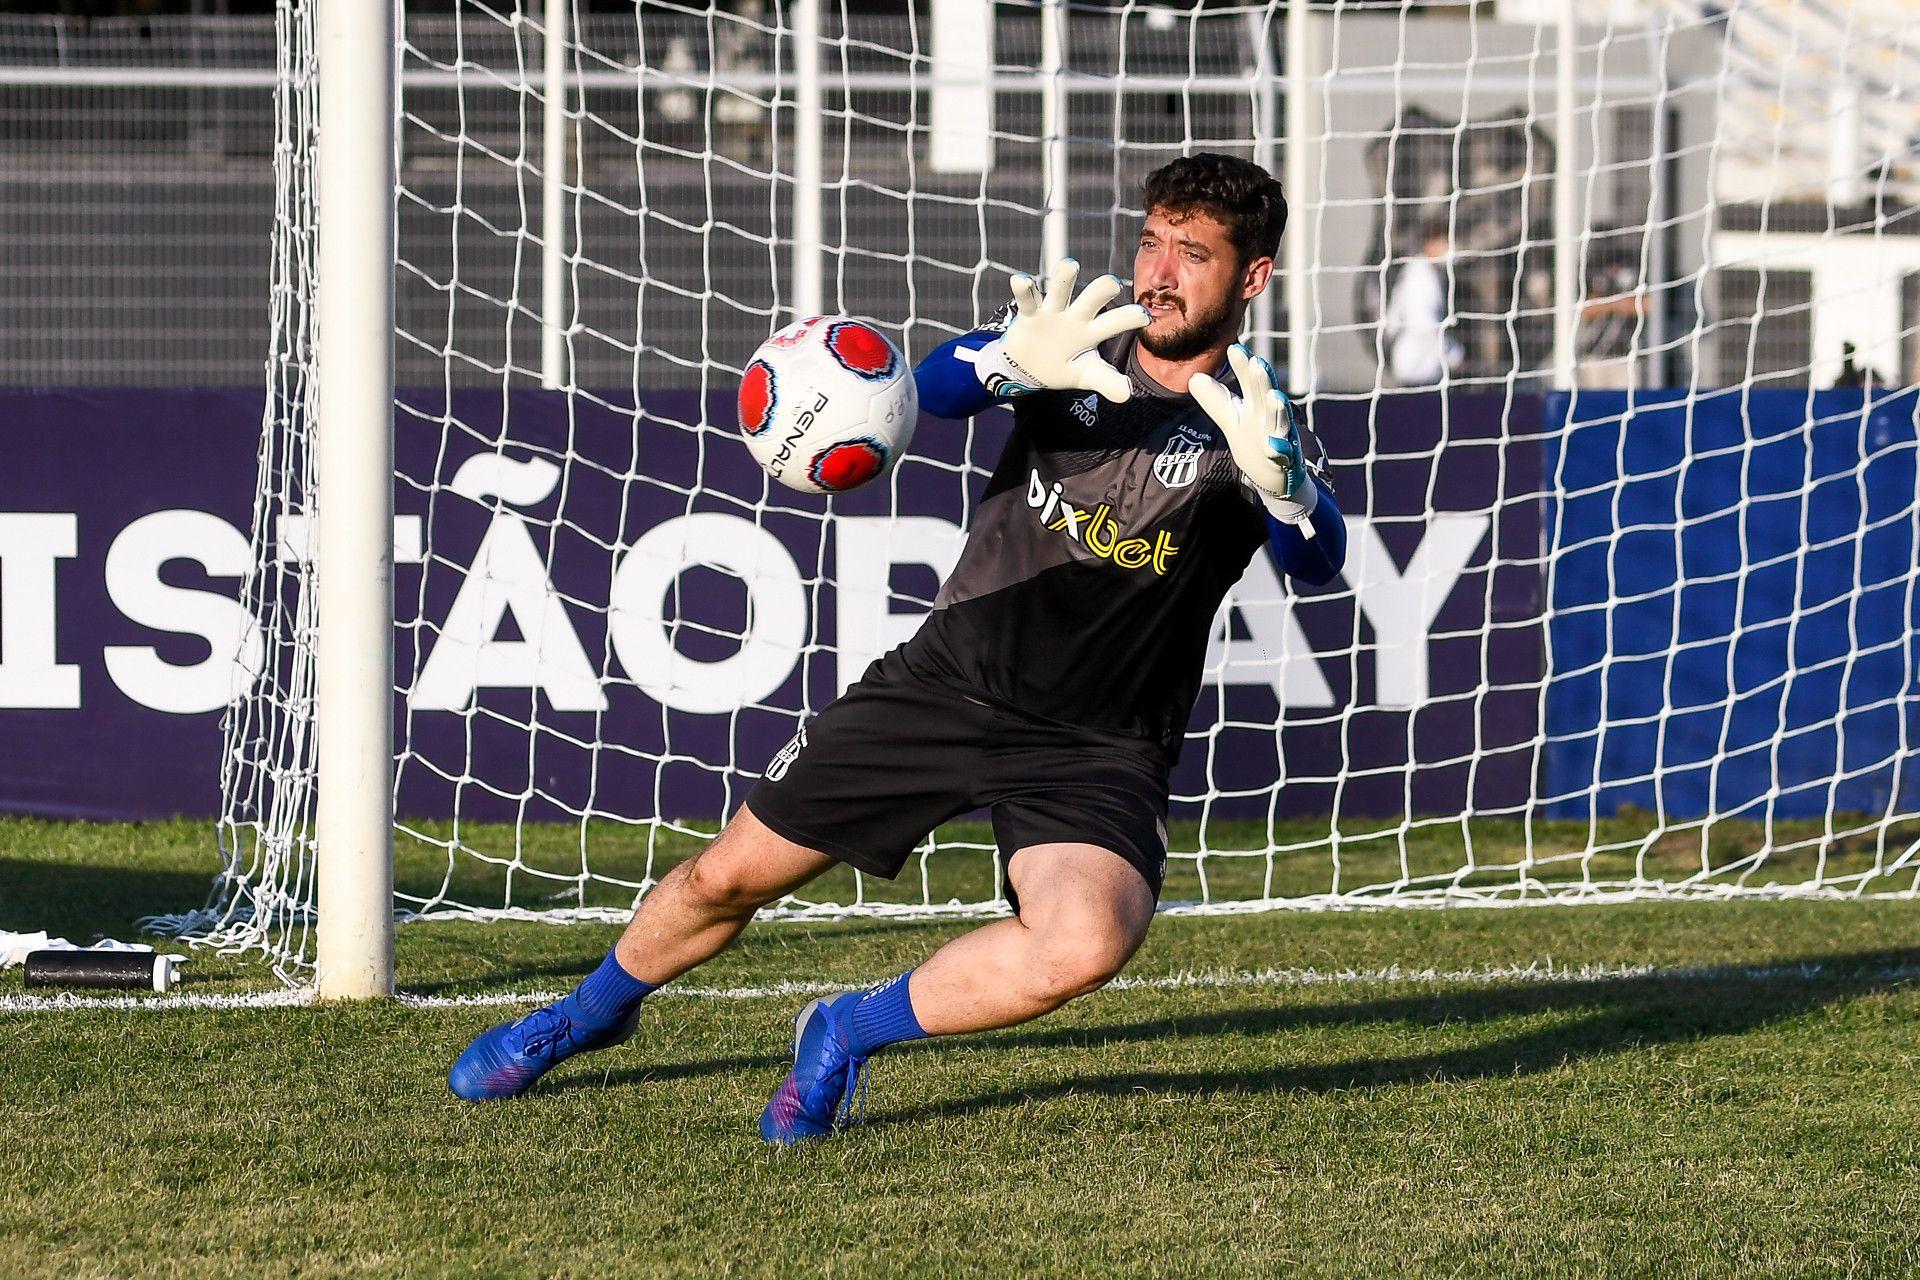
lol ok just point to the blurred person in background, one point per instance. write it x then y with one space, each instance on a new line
1854 374
1610 315
1421 350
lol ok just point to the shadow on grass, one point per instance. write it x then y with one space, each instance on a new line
755 944
568 970
1598 1019
83 903
659 1072
1601 1019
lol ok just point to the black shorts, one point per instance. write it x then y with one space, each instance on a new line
896 755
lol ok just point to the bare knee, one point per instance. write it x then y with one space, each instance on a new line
1070 963
745 868
724 886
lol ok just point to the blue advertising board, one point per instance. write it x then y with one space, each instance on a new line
1733 603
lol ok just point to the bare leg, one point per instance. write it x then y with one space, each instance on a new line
1083 913
691 916
700 907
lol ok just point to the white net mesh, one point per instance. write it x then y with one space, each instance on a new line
1653 637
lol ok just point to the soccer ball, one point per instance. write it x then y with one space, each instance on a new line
827 404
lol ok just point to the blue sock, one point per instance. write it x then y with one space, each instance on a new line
884 1016
607 997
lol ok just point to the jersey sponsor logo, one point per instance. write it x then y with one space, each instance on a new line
778 766
1097 531
1178 465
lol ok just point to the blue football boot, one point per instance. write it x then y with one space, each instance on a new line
504 1062
822 1092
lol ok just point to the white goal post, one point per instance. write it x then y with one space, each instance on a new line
355 58
1631 597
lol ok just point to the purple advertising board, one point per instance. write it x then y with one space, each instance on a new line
123 518
604 607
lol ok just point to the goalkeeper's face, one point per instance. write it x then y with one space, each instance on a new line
1189 277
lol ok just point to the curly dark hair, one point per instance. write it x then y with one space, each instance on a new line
1242 196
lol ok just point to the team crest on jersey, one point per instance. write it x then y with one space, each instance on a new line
778 766
1087 410
1179 462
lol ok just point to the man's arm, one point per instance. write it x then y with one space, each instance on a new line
949 385
1048 345
1312 559
1304 527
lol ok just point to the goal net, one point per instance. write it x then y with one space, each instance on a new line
1604 330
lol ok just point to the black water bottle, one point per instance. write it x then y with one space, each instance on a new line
120 970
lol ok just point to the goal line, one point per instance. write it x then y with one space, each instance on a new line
1541 972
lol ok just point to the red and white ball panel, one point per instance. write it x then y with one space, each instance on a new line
827 404
848 465
862 350
757 395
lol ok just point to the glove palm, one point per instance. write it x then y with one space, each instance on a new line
1259 429
1050 345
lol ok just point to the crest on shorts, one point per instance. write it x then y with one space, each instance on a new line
1179 462
778 766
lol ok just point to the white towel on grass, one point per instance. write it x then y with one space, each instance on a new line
14 946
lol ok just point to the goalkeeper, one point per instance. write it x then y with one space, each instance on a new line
1150 458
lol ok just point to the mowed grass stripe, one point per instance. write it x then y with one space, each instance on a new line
1552 1129
1729 1091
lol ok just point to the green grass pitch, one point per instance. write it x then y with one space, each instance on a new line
1750 1107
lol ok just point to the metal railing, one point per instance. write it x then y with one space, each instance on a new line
136 187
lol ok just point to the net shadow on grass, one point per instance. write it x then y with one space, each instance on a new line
1602 1019
660 1072
570 969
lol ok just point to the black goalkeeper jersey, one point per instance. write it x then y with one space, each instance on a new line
1098 557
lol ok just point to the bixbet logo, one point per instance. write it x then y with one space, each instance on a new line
1096 530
